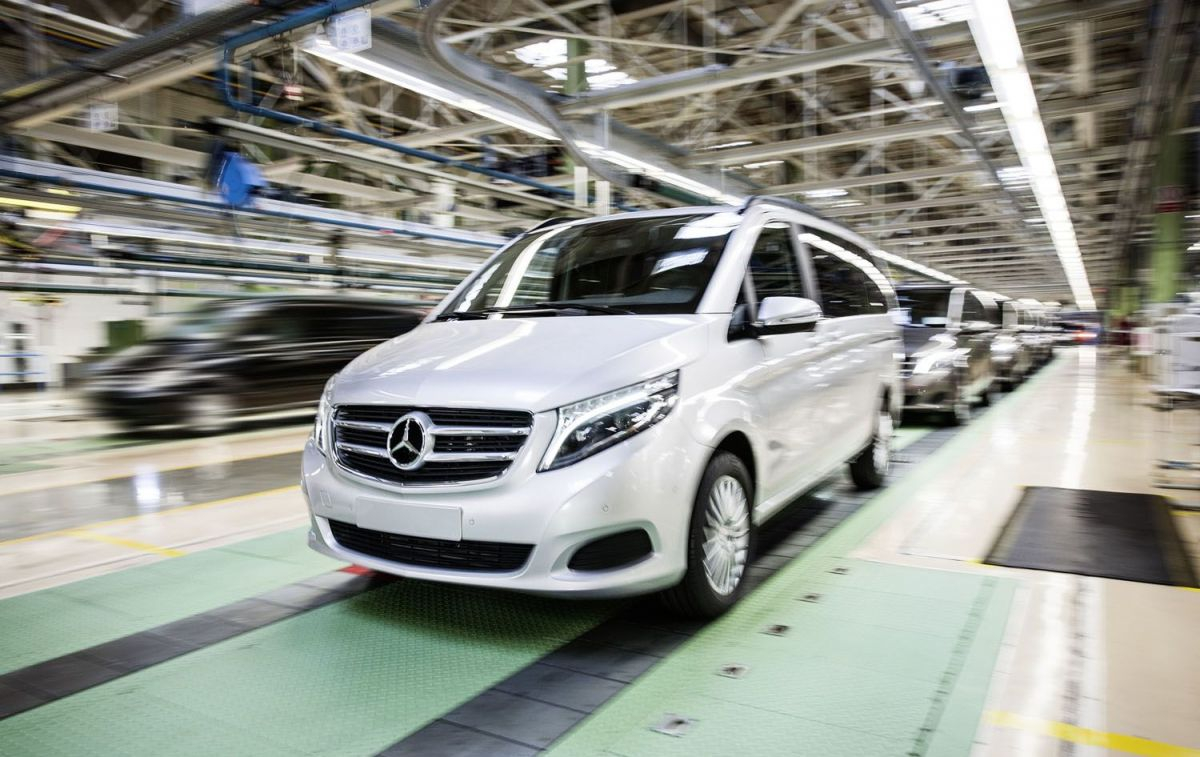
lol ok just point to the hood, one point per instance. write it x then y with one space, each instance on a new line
917 338
522 363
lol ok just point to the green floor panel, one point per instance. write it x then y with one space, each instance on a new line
723 729
52 622
347 679
857 671
889 660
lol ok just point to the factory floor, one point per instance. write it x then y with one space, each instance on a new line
157 597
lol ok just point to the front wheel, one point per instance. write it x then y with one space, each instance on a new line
959 411
870 467
210 413
719 543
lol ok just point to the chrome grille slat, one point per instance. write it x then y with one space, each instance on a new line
468 445
469 457
479 431
363 449
365 425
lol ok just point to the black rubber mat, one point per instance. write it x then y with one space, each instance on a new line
1130 537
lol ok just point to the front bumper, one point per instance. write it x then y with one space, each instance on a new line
929 391
647 482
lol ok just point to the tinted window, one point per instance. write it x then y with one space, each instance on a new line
660 264
926 307
973 309
839 265
774 267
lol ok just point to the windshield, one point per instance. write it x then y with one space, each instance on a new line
926 307
204 323
632 265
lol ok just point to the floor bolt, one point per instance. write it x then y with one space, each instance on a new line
811 598
673 725
777 629
841 570
733 670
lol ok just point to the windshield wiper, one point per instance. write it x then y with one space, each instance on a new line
589 307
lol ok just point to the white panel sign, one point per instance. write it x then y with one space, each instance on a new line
102 117
350 32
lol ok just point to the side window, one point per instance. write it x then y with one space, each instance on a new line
973 309
774 266
845 288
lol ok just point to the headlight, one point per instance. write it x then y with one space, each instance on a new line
596 424
939 361
321 426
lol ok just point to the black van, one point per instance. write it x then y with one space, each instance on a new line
240 359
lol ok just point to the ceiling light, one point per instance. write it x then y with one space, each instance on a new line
763 164
386 73
723 145
321 48
819 194
999 46
916 267
981 107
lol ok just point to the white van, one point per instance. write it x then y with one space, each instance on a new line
611 406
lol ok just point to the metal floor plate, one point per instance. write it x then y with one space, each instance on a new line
1126 536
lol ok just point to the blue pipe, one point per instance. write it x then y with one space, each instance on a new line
311 16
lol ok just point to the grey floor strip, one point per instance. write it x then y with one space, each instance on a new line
44 682
531 709
33 512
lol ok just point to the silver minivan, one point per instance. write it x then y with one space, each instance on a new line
611 406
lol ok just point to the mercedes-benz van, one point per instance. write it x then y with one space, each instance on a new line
611 406
948 333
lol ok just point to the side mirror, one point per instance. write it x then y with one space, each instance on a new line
778 315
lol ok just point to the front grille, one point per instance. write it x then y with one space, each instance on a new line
469 445
906 367
500 557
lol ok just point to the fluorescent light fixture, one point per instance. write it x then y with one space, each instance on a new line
763 164
320 47
981 107
916 267
995 35
631 163
737 143
819 194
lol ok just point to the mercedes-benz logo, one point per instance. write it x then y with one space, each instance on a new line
409 441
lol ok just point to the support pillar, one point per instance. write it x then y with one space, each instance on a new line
1166 254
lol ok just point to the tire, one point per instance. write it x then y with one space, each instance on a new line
706 592
991 395
869 468
959 412
210 413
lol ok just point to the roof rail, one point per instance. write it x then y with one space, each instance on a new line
553 221
782 202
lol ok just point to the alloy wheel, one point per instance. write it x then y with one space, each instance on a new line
726 535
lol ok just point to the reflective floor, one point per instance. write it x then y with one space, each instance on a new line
158 598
